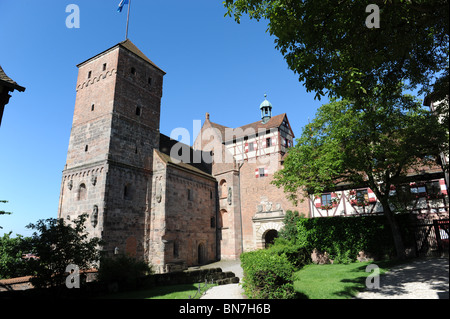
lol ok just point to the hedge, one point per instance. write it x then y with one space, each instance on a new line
344 237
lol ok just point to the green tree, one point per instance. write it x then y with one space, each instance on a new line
329 46
373 146
11 251
59 245
289 230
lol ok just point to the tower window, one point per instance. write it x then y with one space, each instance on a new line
104 66
127 192
150 81
92 107
86 148
133 71
89 74
138 111
176 247
189 194
82 192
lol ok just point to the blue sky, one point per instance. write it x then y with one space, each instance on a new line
213 65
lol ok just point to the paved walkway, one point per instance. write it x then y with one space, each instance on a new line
420 279
231 291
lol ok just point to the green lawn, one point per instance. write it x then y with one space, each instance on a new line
162 292
335 281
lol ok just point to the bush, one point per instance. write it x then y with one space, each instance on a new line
298 255
123 270
267 275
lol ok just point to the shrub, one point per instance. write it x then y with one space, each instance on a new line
267 275
298 255
123 270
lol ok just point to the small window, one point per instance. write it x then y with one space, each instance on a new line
92 107
104 66
433 188
149 81
89 74
213 222
86 148
262 172
189 194
362 195
133 71
268 142
127 192
326 200
176 248
138 111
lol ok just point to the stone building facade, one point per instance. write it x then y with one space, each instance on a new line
175 205
251 209
174 209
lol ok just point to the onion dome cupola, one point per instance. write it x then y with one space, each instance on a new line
266 110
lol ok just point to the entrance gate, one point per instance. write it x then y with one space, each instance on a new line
432 238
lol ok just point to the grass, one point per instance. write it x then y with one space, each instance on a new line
335 281
161 292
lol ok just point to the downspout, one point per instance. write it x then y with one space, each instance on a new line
240 206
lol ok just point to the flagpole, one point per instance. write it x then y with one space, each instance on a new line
128 19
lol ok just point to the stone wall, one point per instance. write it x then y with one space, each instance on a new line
263 204
183 217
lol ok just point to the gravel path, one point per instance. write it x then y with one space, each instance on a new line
420 279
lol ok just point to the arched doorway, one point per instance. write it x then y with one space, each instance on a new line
269 237
201 254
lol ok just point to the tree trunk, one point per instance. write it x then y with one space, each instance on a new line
396 235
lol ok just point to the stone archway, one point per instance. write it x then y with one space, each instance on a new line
269 237
264 229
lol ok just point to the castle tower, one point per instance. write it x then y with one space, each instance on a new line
114 131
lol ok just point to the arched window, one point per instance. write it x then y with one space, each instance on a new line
223 221
82 192
223 191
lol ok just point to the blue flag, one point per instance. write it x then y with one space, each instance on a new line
121 5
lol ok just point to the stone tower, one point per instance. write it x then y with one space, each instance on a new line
109 161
